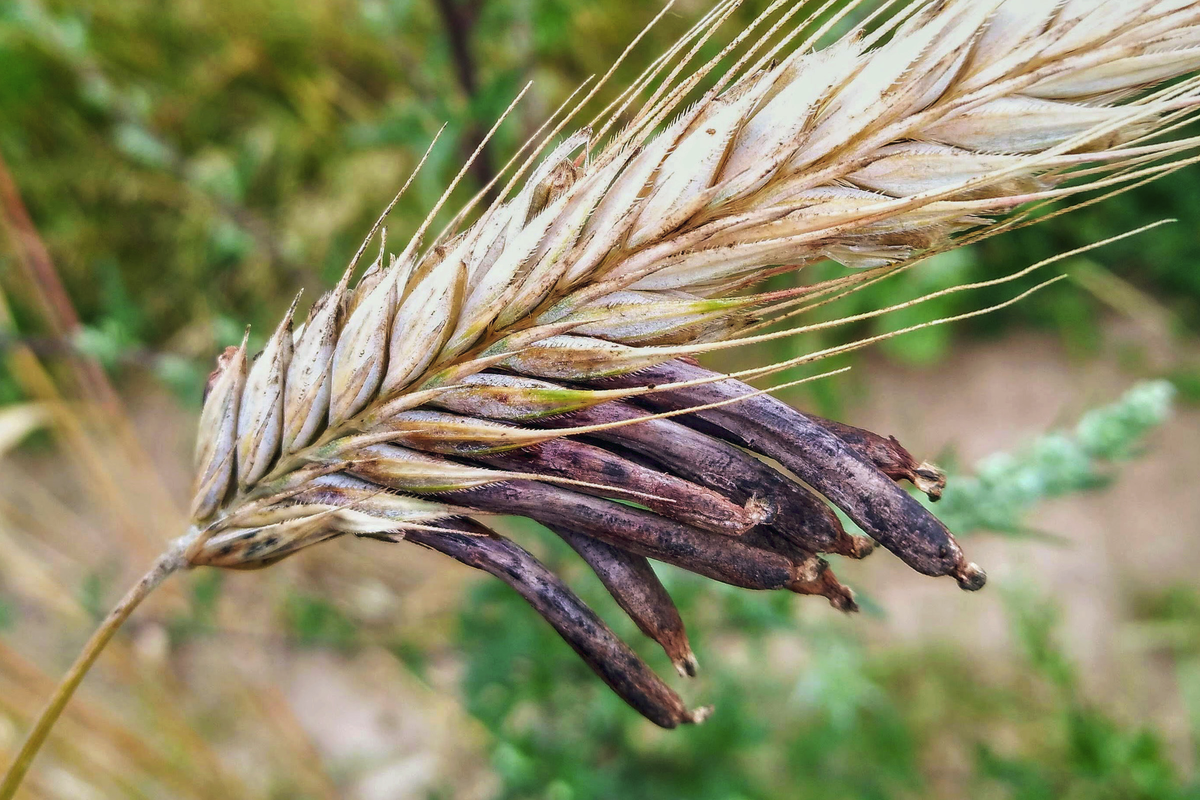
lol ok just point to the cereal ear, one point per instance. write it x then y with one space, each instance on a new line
534 357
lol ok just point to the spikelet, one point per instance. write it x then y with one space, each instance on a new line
260 414
216 445
443 385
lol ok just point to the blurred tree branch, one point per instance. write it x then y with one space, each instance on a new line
460 18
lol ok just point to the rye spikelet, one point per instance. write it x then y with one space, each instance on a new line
445 384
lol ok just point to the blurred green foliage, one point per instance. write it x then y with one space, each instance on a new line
1006 486
805 708
314 621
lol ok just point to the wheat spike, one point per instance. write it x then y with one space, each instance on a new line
562 309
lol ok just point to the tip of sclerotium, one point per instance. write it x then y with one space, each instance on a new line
687 666
971 578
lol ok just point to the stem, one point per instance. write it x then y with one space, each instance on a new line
34 257
167 563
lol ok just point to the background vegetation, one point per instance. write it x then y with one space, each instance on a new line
190 165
